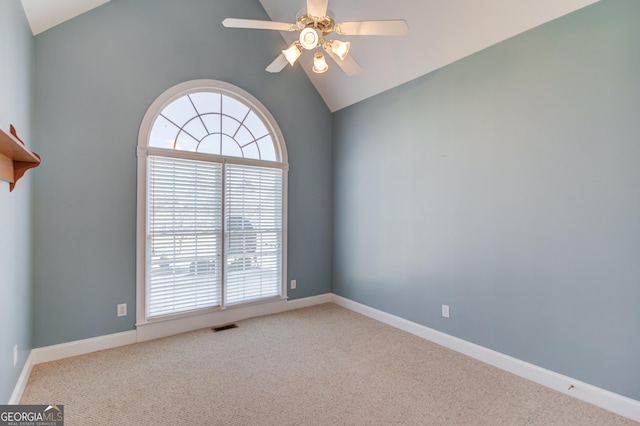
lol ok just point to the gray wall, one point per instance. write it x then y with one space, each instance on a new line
95 77
16 51
507 186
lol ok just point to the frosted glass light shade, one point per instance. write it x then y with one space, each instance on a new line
292 53
340 48
319 63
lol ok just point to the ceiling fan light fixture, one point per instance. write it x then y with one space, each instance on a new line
340 48
293 52
319 63
313 24
309 38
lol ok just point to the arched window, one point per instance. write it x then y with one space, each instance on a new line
211 202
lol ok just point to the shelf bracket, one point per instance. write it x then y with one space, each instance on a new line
15 158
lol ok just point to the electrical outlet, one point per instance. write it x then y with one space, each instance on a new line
293 284
15 355
122 310
445 311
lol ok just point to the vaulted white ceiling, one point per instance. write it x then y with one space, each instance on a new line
440 32
45 14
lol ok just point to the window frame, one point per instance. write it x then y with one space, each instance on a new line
144 151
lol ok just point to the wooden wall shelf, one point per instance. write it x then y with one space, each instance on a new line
15 158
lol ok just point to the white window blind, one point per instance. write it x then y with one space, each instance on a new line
253 233
186 239
184 235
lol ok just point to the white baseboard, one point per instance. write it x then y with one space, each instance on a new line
168 328
309 301
21 385
613 402
81 347
155 330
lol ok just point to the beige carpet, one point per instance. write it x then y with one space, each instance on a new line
323 365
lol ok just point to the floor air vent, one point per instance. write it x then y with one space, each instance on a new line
224 327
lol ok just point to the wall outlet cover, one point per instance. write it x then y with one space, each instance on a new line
122 310
445 311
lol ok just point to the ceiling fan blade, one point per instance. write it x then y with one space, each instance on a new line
278 64
317 8
393 27
348 64
258 25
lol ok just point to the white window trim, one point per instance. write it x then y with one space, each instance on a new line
143 151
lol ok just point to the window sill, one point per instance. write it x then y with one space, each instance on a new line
163 327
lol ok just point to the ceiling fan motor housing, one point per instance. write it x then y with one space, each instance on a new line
324 25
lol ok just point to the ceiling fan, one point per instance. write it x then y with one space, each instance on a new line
314 23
